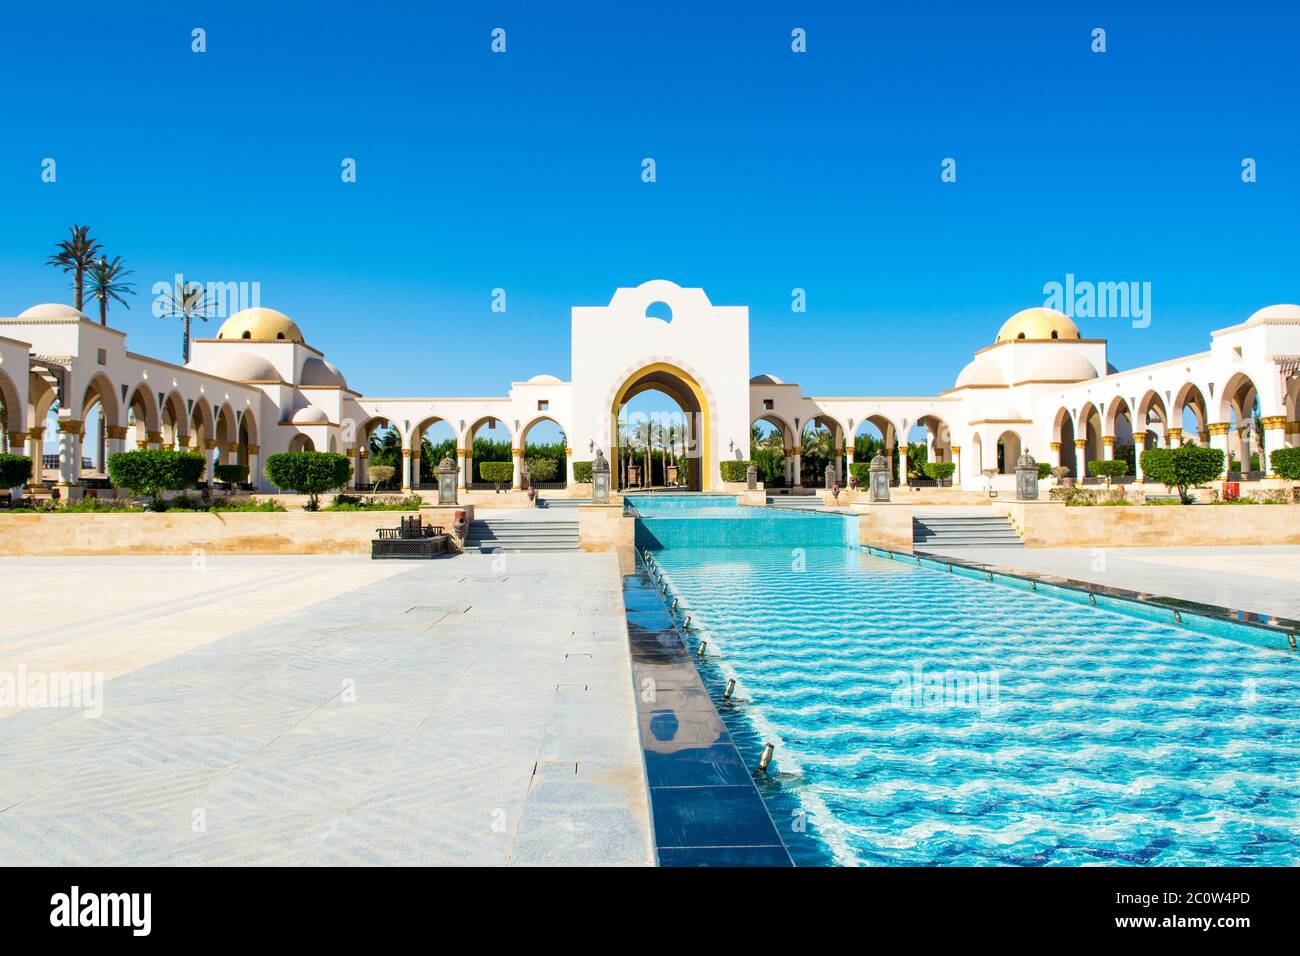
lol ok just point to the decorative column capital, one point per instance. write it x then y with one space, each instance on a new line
253 449
70 426
1055 446
153 438
1081 443
17 438
209 444
517 452
363 453
956 449
117 431
1220 428
1273 421
36 433
233 448
462 452
406 453
1108 441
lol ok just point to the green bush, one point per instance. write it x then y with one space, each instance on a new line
382 474
498 472
541 469
233 474
1286 463
582 471
308 472
734 470
344 502
940 470
14 470
1182 468
148 472
1108 469
861 472
1044 469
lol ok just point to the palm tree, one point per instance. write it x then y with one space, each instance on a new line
643 434
186 302
76 255
107 282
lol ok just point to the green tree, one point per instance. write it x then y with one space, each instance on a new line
1182 468
1108 469
1286 463
15 470
497 472
311 473
107 283
149 472
76 255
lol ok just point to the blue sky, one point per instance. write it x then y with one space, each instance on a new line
776 170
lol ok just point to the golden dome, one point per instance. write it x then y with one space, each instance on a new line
260 325
1039 323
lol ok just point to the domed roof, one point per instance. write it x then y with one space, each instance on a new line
317 371
985 370
260 325
765 380
1038 323
544 380
245 367
1284 314
310 415
995 410
1060 366
52 310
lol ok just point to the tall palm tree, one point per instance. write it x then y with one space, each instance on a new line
107 281
187 302
76 255
643 434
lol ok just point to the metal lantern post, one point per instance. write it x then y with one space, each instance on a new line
447 481
879 478
1027 478
600 479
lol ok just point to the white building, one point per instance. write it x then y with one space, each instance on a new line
259 388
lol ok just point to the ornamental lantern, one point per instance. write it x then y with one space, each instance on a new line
751 477
879 478
600 479
447 481
1027 478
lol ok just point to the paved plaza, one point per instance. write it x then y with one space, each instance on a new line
1265 580
324 710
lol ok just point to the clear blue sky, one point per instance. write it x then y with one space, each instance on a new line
775 171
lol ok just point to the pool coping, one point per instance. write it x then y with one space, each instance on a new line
705 809
1270 624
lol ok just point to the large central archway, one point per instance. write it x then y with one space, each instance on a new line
682 388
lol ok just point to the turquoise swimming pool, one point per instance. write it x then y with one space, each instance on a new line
923 717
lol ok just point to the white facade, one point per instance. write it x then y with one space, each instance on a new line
258 388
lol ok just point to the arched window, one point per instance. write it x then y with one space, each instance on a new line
659 310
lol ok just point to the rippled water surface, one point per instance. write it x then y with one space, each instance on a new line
925 718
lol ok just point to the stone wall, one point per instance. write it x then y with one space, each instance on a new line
605 527
885 525
1045 524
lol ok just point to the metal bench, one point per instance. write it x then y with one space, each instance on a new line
412 538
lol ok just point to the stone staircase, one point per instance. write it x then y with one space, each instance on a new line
936 532
523 533
550 503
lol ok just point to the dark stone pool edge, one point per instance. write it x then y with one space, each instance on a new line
705 809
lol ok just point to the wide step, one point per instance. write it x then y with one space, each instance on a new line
936 532
523 534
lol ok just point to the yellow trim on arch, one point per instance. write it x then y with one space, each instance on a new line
629 390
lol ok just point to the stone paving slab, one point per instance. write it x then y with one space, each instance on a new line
448 712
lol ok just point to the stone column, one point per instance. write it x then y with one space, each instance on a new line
36 452
839 467
1243 443
361 474
798 467
1139 446
516 477
462 477
254 476
1219 439
1056 453
212 453
902 464
1274 438
1173 437
116 442
568 466
1080 459
415 468
1108 447
956 461
406 470
69 452
152 440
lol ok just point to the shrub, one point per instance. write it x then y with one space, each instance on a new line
861 473
247 504
1286 463
233 474
582 471
308 472
498 472
382 474
1044 469
1115 468
148 472
541 469
734 470
14 470
344 502
1182 468
940 470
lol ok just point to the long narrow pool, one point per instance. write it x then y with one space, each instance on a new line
923 717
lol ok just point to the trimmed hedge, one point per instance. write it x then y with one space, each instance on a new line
1044 469
1286 463
940 470
1182 468
734 470
582 471
151 472
15 470
310 473
497 472
234 474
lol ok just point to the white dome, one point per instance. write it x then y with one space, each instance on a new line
1060 365
317 371
544 380
765 380
985 370
245 367
310 415
1285 314
52 310
995 411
